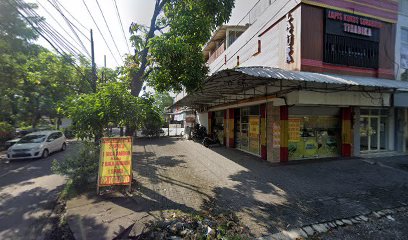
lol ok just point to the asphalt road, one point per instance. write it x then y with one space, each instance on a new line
28 190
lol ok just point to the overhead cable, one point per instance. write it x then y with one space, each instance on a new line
73 31
107 26
45 38
46 29
123 30
69 35
100 32
62 14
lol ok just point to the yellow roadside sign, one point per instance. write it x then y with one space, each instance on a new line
115 164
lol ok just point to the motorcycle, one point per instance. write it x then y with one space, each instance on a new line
212 139
198 133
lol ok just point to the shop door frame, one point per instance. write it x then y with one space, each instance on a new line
378 132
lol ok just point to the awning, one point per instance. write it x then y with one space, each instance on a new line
245 82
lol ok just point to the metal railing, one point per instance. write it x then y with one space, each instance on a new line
216 53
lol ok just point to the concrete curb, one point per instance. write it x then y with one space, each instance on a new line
323 227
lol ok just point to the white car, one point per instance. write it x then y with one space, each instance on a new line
37 145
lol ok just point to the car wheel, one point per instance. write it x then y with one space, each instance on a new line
64 146
45 153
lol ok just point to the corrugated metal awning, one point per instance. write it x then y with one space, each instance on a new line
225 84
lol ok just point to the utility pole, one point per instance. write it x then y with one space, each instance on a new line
94 77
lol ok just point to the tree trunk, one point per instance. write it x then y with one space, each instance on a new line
137 84
138 79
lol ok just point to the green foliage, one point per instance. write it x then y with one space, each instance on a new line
112 105
162 100
182 64
6 132
152 124
80 168
404 76
34 80
173 60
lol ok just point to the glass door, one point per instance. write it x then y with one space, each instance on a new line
373 133
244 129
364 138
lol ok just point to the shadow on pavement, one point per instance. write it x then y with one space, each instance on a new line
287 196
23 214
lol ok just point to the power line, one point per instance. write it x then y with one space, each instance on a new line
62 14
72 29
86 29
68 34
54 35
123 30
49 42
100 32
107 26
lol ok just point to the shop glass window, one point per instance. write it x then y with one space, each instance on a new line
248 136
314 137
364 111
404 48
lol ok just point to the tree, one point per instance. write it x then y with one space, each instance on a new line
47 81
162 100
15 49
113 103
168 52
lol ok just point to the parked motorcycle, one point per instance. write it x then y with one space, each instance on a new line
212 139
198 133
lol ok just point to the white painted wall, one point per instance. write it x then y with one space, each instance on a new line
247 44
336 99
202 119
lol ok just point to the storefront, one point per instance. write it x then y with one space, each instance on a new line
218 126
314 132
247 129
374 125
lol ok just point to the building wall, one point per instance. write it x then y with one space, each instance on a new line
402 24
313 46
307 39
202 119
270 29
273 132
384 10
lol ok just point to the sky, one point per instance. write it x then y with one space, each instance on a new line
139 11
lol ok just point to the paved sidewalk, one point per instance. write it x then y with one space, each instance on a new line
177 174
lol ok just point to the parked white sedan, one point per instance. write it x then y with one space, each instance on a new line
37 145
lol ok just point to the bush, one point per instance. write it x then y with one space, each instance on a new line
6 132
81 168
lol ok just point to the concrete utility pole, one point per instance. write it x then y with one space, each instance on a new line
94 77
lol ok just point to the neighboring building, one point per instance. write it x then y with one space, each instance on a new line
306 79
401 73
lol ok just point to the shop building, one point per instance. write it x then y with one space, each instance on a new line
401 73
306 79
